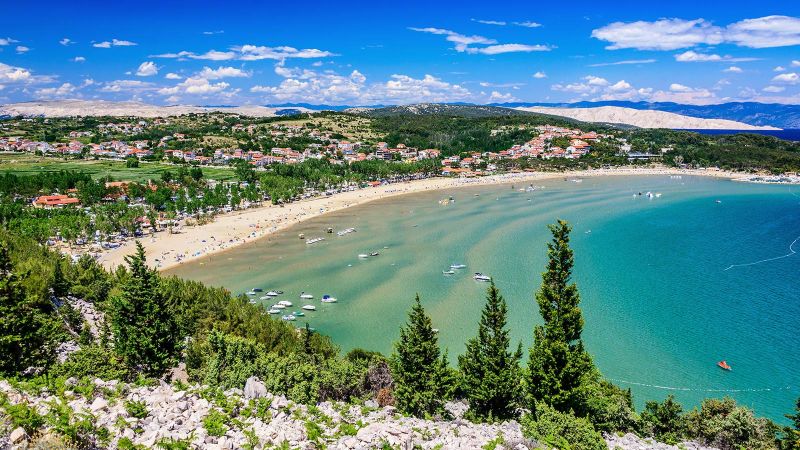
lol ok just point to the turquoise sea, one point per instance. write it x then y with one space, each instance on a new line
661 302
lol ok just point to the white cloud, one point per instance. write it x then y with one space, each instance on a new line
464 43
674 33
114 43
173 76
64 90
796 63
774 89
250 53
22 49
788 78
595 81
209 33
11 74
147 69
733 69
624 62
490 22
66 41
540 75
764 32
675 87
497 97
317 64
78 59
779 69
501 85
7 41
222 72
623 90
135 86
619 86
528 24
197 85
663 34
693 56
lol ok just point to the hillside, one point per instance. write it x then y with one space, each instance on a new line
643 118
443 109
64 108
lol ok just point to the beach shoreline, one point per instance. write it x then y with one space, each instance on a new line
230 230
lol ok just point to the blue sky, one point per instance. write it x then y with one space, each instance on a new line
361 53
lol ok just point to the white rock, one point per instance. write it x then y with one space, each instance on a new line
254 388
98 405
17 436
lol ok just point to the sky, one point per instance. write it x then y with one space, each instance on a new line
368 53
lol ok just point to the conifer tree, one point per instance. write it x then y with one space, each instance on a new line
60 284
558 361
145 332
422 379
490 369
28 327
791 434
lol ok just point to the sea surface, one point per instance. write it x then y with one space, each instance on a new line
789 134
670 285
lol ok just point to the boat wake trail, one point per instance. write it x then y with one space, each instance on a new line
791 252
673 388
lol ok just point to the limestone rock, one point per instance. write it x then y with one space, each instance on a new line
254 388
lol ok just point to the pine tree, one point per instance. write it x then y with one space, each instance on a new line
558 361
791 435
60 284
28 327
145 332
421 377
490 370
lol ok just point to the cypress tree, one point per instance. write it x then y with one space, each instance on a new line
421 377
558 361
490 370
28 327
145 332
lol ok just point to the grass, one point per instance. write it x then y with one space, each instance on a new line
27 164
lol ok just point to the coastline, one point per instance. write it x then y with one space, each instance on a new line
233 229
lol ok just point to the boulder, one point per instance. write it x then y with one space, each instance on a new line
254 388
99 404
17 436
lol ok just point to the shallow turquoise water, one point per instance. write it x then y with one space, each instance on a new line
660 308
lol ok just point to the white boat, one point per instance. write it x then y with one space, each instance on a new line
481 277
285 303
272 294
363 255
252 301
315 240
328 299
274 311
289 317
251 293
277 306
264 297
309 307
458 266
374 254
304 295
346 231
448 272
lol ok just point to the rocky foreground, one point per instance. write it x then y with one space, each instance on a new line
116 415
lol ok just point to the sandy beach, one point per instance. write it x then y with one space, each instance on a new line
166 250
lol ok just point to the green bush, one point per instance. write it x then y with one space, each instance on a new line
561 430
21 415
93 361
137 409
724 424
664 421
215 423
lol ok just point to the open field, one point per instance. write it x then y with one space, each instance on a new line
26 164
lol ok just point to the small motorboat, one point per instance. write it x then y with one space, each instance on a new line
277 306
363 255
264 297
724 365
306 296
272 294
285 303
274 311
329 230
258 290
315 240
481 277
251 293
374 254
328 299
301 236
289 317
448 272
717 201
309 307
458 266
298 313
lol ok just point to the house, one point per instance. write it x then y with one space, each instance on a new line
54 201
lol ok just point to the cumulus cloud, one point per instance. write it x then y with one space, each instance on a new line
675 33
135 86
733 69
624 62
464 43
147 69
22 49
779 69
114 43
497 97
250 53
78 59
598 89
787 78
209 33
222 72
11 74
675 87
172 76
501 85
7 41
774 89
540 75
595 81
693 56
195 86
64 90
796 63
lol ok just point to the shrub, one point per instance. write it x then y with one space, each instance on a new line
663 421
561 430
385 397
92 361
137 409
214 423
724 424
21 415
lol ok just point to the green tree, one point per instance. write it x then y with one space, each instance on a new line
422 379
558 362
145 332
60 284
664 421
791 435
489 368
28 328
